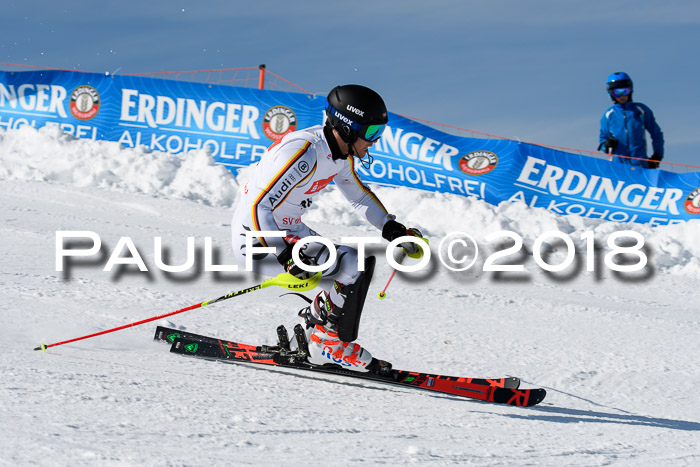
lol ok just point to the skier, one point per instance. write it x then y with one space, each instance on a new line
281 188
622 126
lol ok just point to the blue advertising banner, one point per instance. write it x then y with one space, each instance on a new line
236 125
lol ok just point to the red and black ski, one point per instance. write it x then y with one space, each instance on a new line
498 390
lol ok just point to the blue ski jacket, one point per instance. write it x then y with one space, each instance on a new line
627 122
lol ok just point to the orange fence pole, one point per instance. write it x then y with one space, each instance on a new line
261 79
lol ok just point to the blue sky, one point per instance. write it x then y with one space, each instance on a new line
528 70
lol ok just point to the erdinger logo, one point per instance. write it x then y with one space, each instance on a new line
692 202
279 121
478 162
84 102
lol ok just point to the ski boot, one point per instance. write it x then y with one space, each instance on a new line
324 345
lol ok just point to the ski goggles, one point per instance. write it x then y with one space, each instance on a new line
371 133
620 92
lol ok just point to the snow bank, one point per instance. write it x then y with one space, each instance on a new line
50 155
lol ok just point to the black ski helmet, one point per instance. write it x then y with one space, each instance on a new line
356 112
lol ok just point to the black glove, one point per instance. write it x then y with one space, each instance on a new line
610 145
653 161
287 262
393 230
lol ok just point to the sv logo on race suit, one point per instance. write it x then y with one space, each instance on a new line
291 220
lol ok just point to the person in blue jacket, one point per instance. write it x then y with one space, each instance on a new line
623 124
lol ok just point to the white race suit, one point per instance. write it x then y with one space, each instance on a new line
281 188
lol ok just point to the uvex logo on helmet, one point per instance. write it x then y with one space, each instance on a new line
342 117
355 110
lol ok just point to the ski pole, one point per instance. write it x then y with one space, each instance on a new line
285 280
417 255
610 157
382 294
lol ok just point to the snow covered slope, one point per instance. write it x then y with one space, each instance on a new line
617 353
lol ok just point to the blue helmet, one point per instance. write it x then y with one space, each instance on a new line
619 79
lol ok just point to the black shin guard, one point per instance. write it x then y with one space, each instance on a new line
355 294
